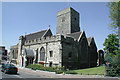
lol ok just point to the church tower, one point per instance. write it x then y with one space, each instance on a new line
67 21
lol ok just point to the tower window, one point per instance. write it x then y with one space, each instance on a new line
70 55
51 53
63 19
75 19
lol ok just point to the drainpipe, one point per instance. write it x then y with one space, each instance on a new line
46 55
20 50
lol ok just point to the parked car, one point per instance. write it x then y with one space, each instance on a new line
9 68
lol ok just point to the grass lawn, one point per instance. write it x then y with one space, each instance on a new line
92 71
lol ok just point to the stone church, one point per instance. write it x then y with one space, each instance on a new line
69 47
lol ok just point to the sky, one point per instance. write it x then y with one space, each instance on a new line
20 18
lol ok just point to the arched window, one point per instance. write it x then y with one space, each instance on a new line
42 54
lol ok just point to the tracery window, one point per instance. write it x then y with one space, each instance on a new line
42 54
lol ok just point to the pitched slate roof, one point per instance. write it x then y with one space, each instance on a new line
75 35
35 35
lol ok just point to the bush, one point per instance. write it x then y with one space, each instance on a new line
71 72
34 66
114 67
51 69
41 67
112 71
115 70
59 71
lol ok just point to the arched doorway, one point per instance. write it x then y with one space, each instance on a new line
42 54
100 57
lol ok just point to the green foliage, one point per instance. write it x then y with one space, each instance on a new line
114 70
56 69
59 71
112 54
91 71
114 65
70 72
114 10
110 58
111 44
34 66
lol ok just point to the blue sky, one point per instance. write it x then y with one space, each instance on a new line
28 17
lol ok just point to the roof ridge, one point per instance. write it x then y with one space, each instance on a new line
35 32
89 37
74 32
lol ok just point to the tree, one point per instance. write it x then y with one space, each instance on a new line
111 57
111 44
114 10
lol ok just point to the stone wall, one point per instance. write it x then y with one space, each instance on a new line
69 52
83 52
53 44
92 51
47 39
14 52
63 22
74 21
13 57
67 21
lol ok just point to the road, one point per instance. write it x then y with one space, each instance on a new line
22 74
